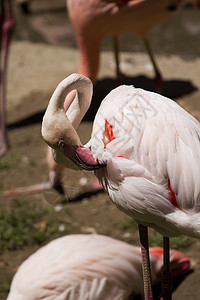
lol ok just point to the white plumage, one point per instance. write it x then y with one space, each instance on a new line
145 150
87 267
151 147
156 143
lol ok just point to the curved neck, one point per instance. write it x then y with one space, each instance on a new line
76 107
58 125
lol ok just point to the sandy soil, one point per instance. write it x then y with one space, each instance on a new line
42 53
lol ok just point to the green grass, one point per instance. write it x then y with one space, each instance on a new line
26 222
182 242
4 287
130 225
9 162
156 239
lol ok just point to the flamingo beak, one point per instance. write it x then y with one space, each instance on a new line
180 264
81 156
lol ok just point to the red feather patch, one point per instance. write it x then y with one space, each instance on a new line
109 131
173 197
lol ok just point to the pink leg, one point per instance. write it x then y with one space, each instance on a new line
116 53
157 82
7 24
89 49
143 231
55 173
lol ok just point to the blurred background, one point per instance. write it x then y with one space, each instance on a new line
43 51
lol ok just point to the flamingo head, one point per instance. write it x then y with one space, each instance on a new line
66 146
179 263
59 124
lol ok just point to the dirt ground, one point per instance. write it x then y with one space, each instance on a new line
42 53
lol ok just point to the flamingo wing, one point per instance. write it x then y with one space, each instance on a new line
153 161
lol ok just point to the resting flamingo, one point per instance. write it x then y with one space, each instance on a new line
145 150
88 267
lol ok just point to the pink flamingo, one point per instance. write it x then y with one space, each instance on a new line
145 150
91 21
88 267
94 19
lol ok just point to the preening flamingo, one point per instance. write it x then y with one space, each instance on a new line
91 21
88 267
94 19
145 150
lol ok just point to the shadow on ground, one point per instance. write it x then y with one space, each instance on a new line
171 88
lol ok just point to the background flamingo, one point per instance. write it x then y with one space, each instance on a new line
95 267
93 20
144 148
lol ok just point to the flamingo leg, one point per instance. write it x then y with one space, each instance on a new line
158 77
7 24
143 231
116 55
25 7
3 144
89 53
166 274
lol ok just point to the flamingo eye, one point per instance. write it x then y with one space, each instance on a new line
61 144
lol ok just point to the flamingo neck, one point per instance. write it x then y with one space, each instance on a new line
65 98
58 125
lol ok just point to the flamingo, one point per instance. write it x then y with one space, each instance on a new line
93 20
145 150
88 267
